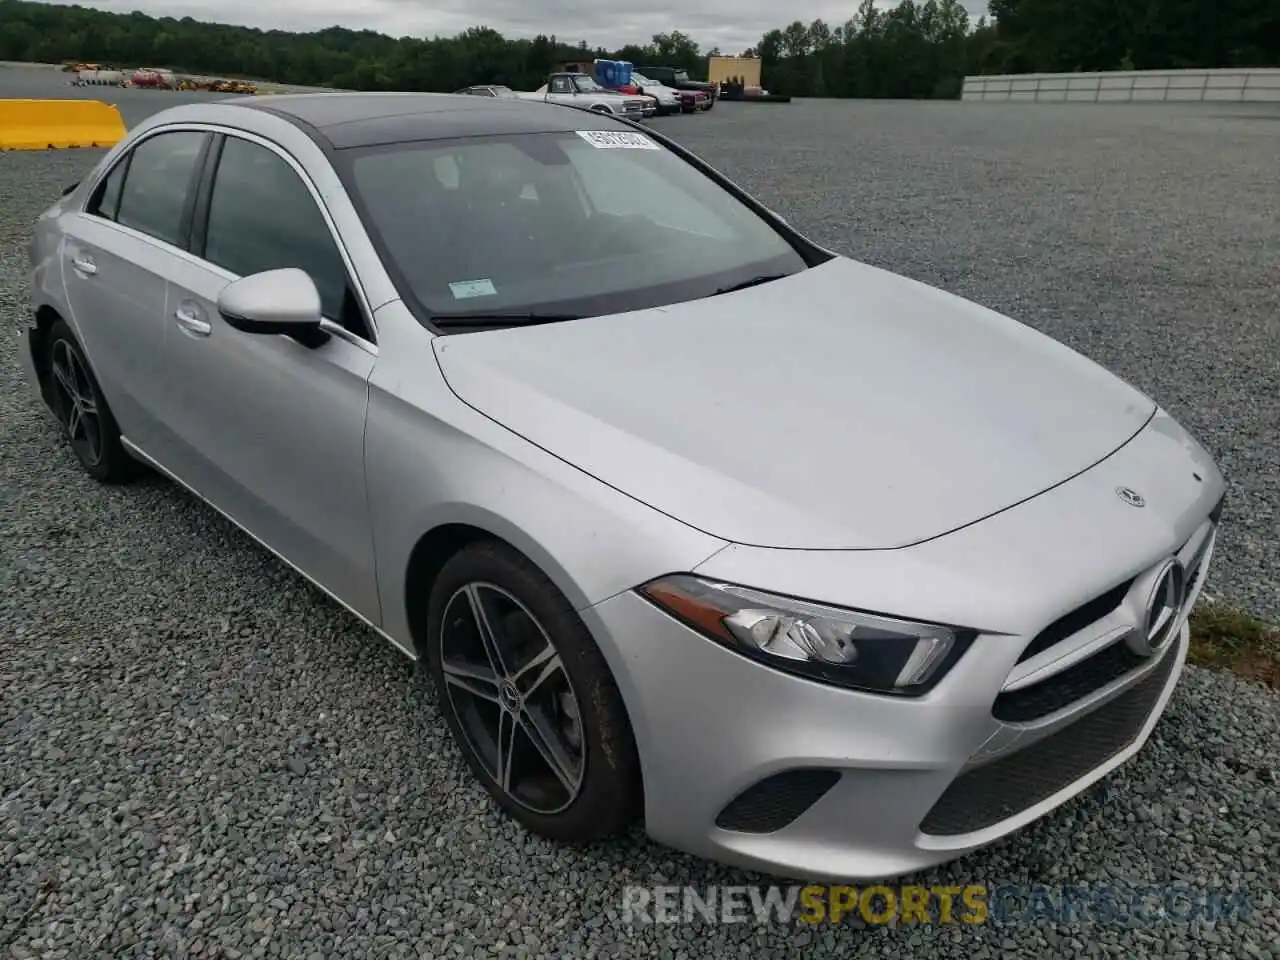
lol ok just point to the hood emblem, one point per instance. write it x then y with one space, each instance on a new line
1130 496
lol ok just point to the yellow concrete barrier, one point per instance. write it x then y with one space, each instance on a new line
42 124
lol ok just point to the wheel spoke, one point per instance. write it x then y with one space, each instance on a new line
506 748
475 680
548 744
485 628
64 378
534 673
73 419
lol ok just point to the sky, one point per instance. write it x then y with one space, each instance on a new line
731 25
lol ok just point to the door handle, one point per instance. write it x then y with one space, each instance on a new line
84 264
189 320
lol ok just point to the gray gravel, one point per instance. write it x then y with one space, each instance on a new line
200 755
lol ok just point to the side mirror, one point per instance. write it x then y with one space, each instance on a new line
282 301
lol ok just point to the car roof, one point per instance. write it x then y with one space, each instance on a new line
345 120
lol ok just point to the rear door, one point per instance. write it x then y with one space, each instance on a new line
115 260
269 430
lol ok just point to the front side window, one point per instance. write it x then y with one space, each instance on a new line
263 217
583 222
158 183
106 198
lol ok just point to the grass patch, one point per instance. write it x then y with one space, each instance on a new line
1227 639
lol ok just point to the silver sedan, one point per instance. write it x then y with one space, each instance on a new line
817 569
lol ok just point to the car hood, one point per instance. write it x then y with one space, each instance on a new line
841 408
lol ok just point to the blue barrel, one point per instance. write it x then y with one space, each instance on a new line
624 73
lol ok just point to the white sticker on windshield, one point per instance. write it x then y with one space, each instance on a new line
617 140
463 289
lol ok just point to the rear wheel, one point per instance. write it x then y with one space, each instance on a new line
78 405
528 697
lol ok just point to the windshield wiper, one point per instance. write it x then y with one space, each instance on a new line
753 282
454 321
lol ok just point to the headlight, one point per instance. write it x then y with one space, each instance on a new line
843 647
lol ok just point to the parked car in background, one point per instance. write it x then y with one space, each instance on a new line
821 570
679 79
490 90
668 99
580 90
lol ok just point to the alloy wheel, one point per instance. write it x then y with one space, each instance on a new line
77 404
514 701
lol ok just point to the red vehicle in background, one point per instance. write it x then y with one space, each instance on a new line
156 79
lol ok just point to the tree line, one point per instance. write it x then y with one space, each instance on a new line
917 49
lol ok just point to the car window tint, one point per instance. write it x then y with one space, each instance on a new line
106 201
158 182
263 217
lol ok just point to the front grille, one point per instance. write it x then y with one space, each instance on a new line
1067 686
776 801
1076 620
1003 788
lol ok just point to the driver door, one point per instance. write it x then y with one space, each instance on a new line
269 430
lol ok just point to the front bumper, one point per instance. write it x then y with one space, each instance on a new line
1054 693
720 724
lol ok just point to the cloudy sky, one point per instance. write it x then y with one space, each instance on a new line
731 25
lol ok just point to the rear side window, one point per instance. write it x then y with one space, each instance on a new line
263 217
158 183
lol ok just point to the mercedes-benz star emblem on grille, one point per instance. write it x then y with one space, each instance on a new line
1130 496
1163 609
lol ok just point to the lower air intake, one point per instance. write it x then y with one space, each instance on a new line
776 801
1003 788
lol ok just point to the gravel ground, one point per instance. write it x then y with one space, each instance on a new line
203 756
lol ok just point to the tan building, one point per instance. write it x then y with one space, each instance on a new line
744 70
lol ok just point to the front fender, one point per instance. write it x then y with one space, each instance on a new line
432 460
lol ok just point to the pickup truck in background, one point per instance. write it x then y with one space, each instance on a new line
580 90
678 79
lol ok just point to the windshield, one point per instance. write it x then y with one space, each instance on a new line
586 84
503 92
580 223
682 75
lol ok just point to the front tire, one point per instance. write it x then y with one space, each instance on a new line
79 406
529 698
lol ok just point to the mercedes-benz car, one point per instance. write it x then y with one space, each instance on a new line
814 568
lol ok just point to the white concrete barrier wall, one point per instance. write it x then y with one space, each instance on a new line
1261 85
